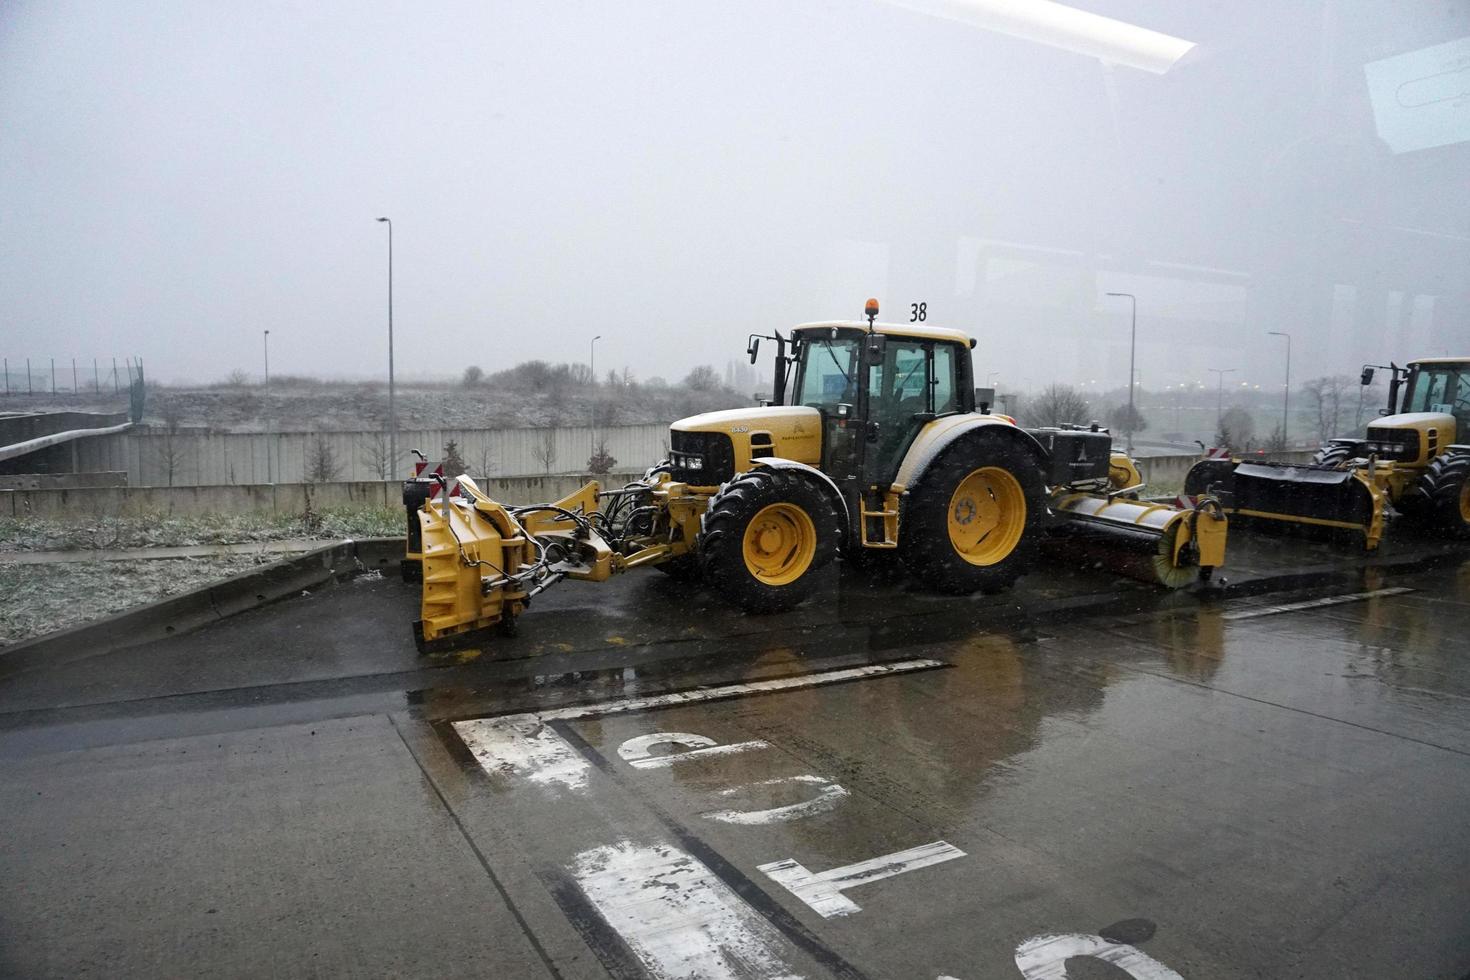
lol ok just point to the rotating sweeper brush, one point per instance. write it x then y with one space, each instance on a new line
1154 543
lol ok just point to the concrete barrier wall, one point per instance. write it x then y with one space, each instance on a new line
294 498
211 459
60 481
1170 470
283 498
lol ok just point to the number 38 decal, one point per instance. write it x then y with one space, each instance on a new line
918 312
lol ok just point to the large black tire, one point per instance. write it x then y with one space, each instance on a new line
742 555
1441 498
1334 454
1208 473
973 519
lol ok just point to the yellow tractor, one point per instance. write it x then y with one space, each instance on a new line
1409 459
875 441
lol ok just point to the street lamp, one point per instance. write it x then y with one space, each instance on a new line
268 450
1286 403
392 410
1132 350
592 400
1220 392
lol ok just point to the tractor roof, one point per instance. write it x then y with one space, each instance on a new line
1434 361
892 330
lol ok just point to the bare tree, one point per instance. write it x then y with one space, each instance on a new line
1127 420
1237 428
702 378
375 456
170 448
485 460
321 460
1057 404
1325 396
545 450
473 375
237 378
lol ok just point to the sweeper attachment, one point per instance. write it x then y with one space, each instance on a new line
875 441
1151 542
1409 464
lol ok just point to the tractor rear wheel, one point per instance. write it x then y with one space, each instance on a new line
972 522
1443 493
763 536
1333 454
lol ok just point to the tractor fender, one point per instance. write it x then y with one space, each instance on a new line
823 480
942 433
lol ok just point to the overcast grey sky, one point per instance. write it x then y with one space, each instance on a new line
177 177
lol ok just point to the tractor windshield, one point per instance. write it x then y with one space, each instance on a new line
1441 388
828 372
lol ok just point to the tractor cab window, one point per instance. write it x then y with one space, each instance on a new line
946 395
829 373
1442 389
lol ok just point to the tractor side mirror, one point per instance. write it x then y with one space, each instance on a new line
1367 377
875 350
754 348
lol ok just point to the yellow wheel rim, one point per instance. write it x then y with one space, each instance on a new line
780 543
987 516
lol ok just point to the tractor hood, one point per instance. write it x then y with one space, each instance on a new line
1419 422
789 431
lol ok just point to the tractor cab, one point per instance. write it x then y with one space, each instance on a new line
1439 386
875 386
1428 409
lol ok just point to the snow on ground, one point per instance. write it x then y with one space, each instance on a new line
45 598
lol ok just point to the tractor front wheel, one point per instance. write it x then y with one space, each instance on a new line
973 521
1443 493
763 536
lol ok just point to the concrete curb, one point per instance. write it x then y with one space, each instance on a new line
190 611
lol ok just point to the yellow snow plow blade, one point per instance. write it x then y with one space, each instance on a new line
483 561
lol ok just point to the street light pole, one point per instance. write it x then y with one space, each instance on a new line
592 397
392 410
1286 403
269 450
1132 351
1220 392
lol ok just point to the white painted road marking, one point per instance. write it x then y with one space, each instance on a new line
677 917
726 691
1045 957
823 892
1335 600
521 745
635 751
518 747
829 796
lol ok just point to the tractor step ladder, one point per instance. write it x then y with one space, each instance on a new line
888 513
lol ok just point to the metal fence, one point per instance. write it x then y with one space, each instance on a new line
68 375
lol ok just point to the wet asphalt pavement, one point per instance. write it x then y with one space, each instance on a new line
1081 777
